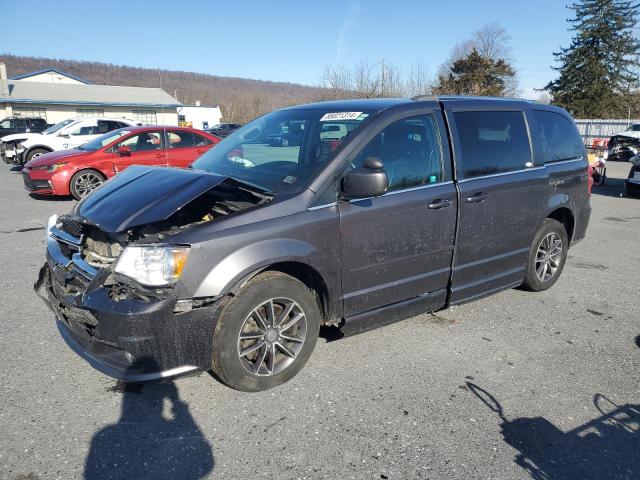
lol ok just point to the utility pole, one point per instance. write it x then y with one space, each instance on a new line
382 79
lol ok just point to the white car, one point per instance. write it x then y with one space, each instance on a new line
22 147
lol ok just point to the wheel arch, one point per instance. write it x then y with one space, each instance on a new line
565 216
33 147
289 256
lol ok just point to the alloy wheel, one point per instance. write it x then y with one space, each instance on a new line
548 256
87 182
272 336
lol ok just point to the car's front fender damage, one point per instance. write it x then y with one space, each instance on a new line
123 328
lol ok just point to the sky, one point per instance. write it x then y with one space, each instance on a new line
292 41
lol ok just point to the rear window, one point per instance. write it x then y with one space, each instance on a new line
559 138
491 142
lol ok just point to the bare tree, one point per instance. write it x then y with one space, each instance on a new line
338 82
418 81
492 42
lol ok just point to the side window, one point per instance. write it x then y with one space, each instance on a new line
106 126
21 123
491 142
559 137
180 139
142 142
410 151
201 141
84 129
6 124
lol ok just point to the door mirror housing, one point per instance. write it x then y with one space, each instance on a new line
124 151
370 180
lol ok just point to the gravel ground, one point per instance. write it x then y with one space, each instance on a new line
517 385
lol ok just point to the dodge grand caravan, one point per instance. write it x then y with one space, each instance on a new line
235 263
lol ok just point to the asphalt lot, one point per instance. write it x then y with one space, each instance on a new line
562 369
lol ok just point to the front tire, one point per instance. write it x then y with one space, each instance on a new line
265 333
84 182
35 153
547 256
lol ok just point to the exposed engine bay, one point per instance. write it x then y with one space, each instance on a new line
101 249
622 147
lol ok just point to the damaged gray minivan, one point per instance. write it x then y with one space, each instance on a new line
234 264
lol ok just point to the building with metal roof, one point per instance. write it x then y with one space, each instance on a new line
56 96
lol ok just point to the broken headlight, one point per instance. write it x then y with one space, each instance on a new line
153 265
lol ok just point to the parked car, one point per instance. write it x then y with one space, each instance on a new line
234 264
12 125
622 146
288 135
71 133
632 183
223 129
80 170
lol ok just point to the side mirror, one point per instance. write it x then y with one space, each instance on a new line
370 180
124 151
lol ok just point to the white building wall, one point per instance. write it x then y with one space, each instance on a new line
51 77
201 117
57 113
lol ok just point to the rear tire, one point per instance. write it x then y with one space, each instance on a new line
256 348
547 256
84 182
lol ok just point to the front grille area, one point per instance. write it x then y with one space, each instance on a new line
34 184
71 226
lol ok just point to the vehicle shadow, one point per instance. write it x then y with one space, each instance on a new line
638 341
148 442
613 187
604 448
50 198
16 168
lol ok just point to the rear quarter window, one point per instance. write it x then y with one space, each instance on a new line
559 137
491 143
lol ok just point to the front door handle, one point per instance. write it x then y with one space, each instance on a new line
477 197
159 155
439 203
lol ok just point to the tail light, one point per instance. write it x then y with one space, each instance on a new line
590 178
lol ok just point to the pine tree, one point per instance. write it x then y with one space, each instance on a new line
475 74
599 68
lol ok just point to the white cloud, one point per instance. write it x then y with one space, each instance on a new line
342 44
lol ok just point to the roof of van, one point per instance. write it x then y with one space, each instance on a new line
383 103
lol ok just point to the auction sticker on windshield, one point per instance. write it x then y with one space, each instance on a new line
340 116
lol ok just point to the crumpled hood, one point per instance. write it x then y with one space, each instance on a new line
55 157
21 136
141 195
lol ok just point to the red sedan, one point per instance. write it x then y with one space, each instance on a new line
76 172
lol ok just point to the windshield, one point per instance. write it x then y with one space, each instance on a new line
57 126
283 150
104 140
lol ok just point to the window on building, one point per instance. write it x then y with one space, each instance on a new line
492 142
90 112
32 112
146 117
410 151
559 138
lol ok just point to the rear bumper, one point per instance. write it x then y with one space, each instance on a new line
581 223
